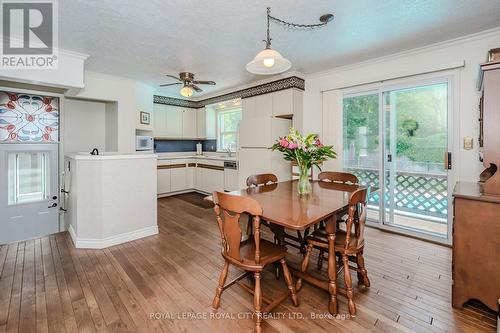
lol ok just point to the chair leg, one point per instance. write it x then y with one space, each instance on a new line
305 262
301 242
289 282
220 288
361 265
321 257
348 285
257 303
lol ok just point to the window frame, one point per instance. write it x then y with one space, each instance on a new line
218 114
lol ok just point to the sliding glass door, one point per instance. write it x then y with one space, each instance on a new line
397 139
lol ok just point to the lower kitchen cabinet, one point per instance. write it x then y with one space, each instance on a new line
182 175
178 177
163 179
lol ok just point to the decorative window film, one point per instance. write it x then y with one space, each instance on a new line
28 118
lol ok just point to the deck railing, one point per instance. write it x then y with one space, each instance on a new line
416 193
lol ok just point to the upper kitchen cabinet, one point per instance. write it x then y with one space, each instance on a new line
205 123
258 106
189 130
287 103
284 103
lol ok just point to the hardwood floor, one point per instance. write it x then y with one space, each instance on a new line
165 283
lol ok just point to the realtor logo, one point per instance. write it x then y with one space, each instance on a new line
29 34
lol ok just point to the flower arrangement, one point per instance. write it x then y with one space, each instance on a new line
305 151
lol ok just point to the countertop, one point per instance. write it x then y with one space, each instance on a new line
110 156
473 191
206 156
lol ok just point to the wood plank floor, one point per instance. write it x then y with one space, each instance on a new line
165 283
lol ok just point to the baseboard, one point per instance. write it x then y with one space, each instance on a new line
169 194
89 243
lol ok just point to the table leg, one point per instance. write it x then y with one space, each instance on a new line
332 265
279 234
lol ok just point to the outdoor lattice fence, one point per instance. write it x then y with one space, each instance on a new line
415 193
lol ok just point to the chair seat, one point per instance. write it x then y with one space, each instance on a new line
269 252
320 236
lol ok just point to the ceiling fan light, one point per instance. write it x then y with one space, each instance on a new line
268 61
186 91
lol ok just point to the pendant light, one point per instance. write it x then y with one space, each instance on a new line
269 61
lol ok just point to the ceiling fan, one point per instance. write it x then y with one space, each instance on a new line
188 82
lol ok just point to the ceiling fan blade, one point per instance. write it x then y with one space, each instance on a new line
212 83
169 84
196 88
173 77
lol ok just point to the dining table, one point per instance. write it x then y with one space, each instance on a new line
284 208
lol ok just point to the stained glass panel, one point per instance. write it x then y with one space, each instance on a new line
28 118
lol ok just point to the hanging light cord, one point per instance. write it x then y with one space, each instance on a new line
324 21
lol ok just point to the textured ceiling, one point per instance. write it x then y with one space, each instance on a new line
215 39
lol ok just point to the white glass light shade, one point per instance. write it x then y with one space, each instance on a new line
186 91
268 61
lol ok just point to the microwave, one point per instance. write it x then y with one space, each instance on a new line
143 142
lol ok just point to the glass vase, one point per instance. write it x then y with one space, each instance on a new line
304 186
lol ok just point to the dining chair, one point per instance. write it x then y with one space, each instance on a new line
348 244
255 181
251 255
335 177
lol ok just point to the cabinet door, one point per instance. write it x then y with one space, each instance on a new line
264 105
211 124
178 178
198 179
189 123
174 122
248 108
255 133
190 177
159 120
201 123
163 181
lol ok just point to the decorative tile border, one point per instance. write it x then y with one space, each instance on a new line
266 88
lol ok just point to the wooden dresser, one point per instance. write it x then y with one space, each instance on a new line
476 246
476 224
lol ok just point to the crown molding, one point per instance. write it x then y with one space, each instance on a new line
67 53
419 50
264 88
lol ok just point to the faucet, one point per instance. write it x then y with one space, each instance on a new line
94 151
229 152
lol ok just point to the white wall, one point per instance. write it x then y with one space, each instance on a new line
84 125
471 49
130 97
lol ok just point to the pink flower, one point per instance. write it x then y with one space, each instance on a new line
292 145
283 142
318 143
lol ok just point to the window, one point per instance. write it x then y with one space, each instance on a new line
28 177
227 125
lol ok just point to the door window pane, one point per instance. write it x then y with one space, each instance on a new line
361 141
28 118
27 177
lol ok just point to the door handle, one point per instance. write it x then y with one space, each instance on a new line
389 158
53 205
447 161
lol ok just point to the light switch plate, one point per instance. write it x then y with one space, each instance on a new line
468 142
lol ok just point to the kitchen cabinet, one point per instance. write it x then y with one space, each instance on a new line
190 175
262 132
201 123
284 103
174 122
189 123
163 177
178 177
287 103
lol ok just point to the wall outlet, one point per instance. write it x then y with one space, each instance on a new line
468 142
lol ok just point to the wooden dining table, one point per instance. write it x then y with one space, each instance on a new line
284 208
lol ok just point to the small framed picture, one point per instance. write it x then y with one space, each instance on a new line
145 118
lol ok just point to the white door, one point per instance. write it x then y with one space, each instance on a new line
29 190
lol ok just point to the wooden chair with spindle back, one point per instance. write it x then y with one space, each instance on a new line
251 255
255 181
335 177
348 244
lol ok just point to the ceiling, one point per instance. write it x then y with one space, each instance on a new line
215 39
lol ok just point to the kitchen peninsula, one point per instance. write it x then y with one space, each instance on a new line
111 198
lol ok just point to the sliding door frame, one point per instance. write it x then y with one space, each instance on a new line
452 79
